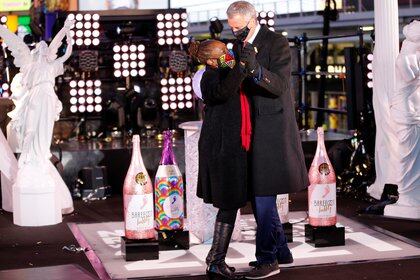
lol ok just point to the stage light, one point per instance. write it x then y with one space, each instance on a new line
87 26
370 69
189 104
133 57
284 33
267 18
171 28
178 91
229 46
82 95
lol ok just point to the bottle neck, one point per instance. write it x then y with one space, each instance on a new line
168 157
136 156
320 148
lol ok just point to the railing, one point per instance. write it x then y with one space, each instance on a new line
284 8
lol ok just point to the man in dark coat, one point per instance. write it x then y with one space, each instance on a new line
276 160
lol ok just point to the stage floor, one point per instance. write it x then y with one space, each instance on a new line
362 244
28 248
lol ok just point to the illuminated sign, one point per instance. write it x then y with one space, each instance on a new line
14 5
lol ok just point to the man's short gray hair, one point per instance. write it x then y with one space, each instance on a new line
242 8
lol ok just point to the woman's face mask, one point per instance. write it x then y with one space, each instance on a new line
227 60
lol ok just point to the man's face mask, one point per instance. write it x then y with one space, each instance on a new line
227 60
242 33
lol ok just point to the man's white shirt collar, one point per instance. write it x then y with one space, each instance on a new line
257 29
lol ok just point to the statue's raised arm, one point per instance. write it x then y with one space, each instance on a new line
57 41
20 51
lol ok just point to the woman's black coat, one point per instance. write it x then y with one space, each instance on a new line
276 160
222 175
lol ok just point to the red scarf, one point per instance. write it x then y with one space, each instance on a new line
246 128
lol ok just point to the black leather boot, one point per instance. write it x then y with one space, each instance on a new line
216 265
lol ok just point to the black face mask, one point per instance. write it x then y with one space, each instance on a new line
242 33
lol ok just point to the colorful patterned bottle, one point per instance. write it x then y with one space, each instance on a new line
169 190
322 191
138 198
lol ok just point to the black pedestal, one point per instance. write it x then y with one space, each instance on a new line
174 240
324 236
138 250
288 231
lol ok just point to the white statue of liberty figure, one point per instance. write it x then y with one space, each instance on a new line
40 195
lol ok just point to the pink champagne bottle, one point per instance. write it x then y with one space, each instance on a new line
322 200
138 198
169 190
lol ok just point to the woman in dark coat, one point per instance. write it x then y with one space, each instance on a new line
222 176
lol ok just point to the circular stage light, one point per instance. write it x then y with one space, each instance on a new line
141 48
177 24
88 33
179 81
98 99
189 104
117 65
188 88
171 81
73 92
164 90
168 24
73 100
79 17
161 41
95 33
185 40
142 72
181 97
187 80
184 24
184 15
160 17
82 108
81 83
117 74
88 42
270 14
88 25
79 42
169 33
173 106
79 25
185 32
95 25
142 64
177 41
95 17
177 32
90 108
164 82
164 98
70 17
180 89
181 105
89 100
81 91
73 84
176 16
89 91
133 73
98 108
165 106
188 96
168 16
89 83
263 21
79 33
172 97
160 25
270 22
95 42
172 89
98 83
73 109
98 91
161 33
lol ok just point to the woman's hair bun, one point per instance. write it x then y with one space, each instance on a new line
193 49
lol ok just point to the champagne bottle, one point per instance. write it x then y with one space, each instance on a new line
138 198
169 190
322 198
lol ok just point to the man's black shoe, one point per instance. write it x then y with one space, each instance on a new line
287 260
262 271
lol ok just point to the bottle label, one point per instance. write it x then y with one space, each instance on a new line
139 212
173 206
168 171
322 201
141 179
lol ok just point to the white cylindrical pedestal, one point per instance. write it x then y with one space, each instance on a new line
384 86
200 217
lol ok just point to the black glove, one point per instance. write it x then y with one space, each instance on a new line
249 61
